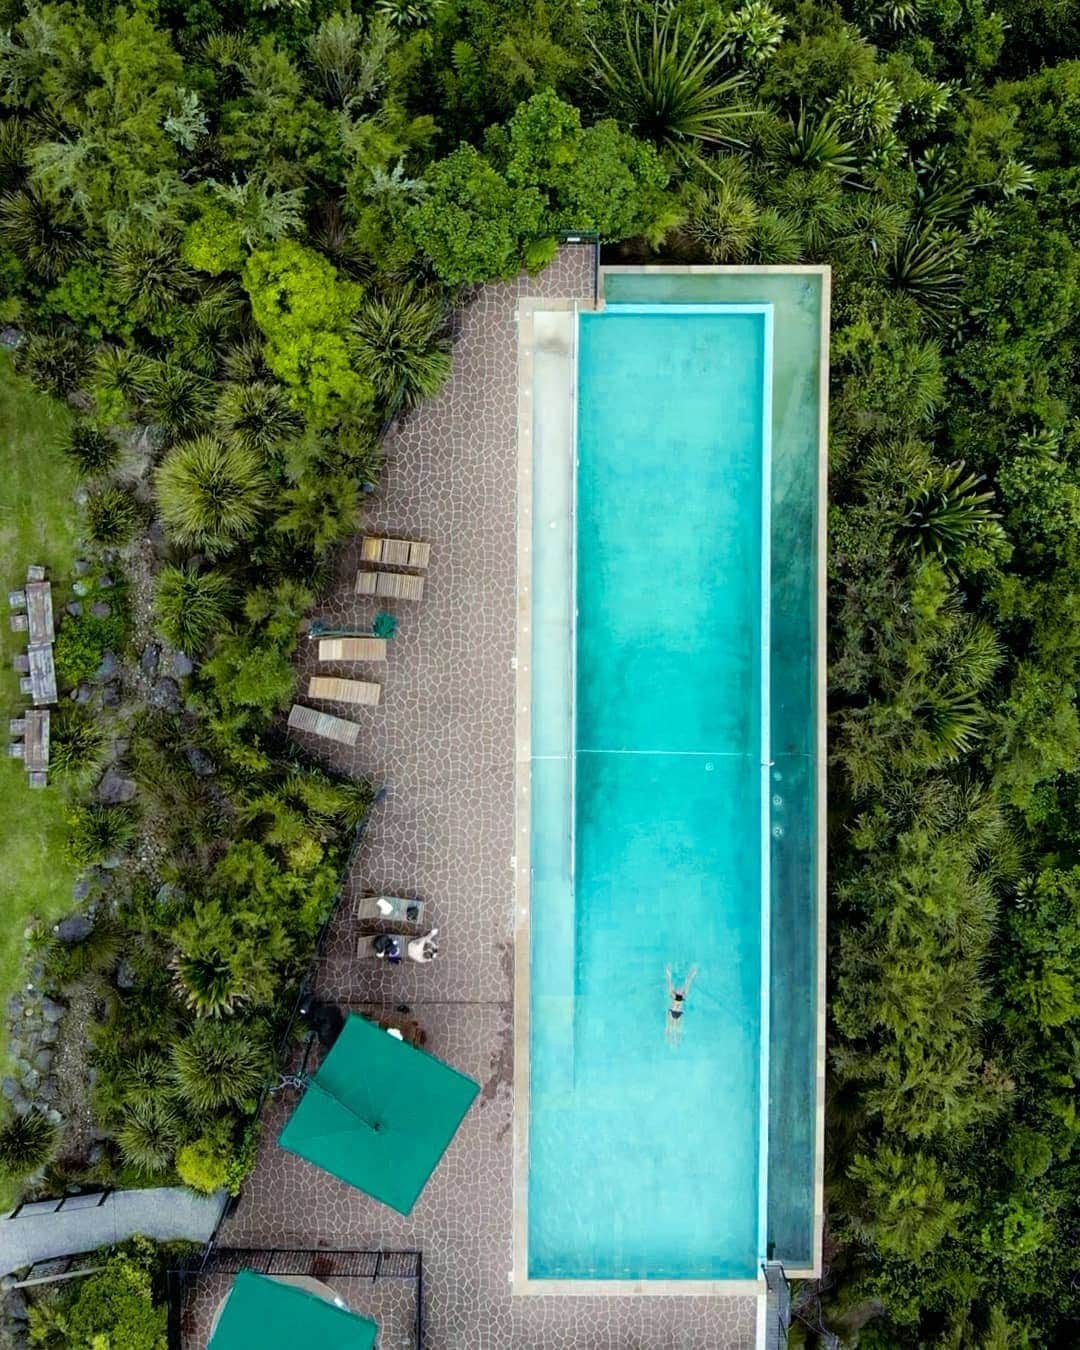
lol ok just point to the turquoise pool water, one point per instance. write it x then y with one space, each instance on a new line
650 805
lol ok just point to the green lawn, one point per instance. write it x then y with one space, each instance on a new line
37 524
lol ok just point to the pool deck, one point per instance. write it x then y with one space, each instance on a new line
443 743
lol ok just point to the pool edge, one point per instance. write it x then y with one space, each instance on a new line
519 1279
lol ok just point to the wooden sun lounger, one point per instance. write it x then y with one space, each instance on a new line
390 585
352 649
39 612
344 691
323 724
394 552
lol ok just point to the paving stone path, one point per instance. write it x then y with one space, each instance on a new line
442 743
165 1213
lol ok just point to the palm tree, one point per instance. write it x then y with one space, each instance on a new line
192 607
211 495
39 233
668 88
149 1133
219 1064
944 510
26 1144
256 415
402 346
926 266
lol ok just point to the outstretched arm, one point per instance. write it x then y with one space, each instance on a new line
689 980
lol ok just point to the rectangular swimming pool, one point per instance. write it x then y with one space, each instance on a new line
653 789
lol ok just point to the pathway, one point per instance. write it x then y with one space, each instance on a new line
164 1213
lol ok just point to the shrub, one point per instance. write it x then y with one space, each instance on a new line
219 1064
112 515
203 1165
256 415
192 607
26 1144
95 832
82 642
91 450
211 495
114 1308
76 743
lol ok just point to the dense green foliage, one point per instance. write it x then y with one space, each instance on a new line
247 227
118 1306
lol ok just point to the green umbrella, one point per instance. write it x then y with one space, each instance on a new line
265 1314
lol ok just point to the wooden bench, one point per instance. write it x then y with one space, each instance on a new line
39 611
352 649
323 724
344 691
394 552
390 585
42 674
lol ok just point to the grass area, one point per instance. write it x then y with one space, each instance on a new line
37 524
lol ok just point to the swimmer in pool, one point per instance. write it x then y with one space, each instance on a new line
676 1004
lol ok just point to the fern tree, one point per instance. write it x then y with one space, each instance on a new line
668 86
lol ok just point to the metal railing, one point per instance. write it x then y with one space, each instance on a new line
31 1209
341 1267
777 1306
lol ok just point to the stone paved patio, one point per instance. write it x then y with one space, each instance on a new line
442 743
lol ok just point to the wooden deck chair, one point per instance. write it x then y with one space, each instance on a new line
323 724
352 649
344 691
390 585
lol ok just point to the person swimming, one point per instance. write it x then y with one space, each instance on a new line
676 1004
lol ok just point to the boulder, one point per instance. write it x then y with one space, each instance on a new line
31 1080
43 1061
114 788
166 695
108 668
125 976
148 660
110 696
81 890
83 694
75 928
15 1305
105 582
51 1011
101 609
181 666
113 861
200 761
81 567
49 1032
74 608
9 1088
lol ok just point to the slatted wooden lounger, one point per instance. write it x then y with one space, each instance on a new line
352 649
395 552
344 691
323 724
390 585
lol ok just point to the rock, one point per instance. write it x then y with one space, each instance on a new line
112 862
181 666
166 695
168 894
15 1005
49 1033
16 1306
16 1049
10 337
49 1092
81 567
43 1061
81 889
81 495
108 668
31 1080
51 1011
37 972
75 928
81 587
110 696
83 694
105 582
54 1115
200 761
22 1067
113 789
9 1088
100 609
148 660
74 608
125 976
19 1104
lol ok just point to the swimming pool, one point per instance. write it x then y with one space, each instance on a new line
652 795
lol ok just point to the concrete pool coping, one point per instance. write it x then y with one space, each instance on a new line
520 1281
